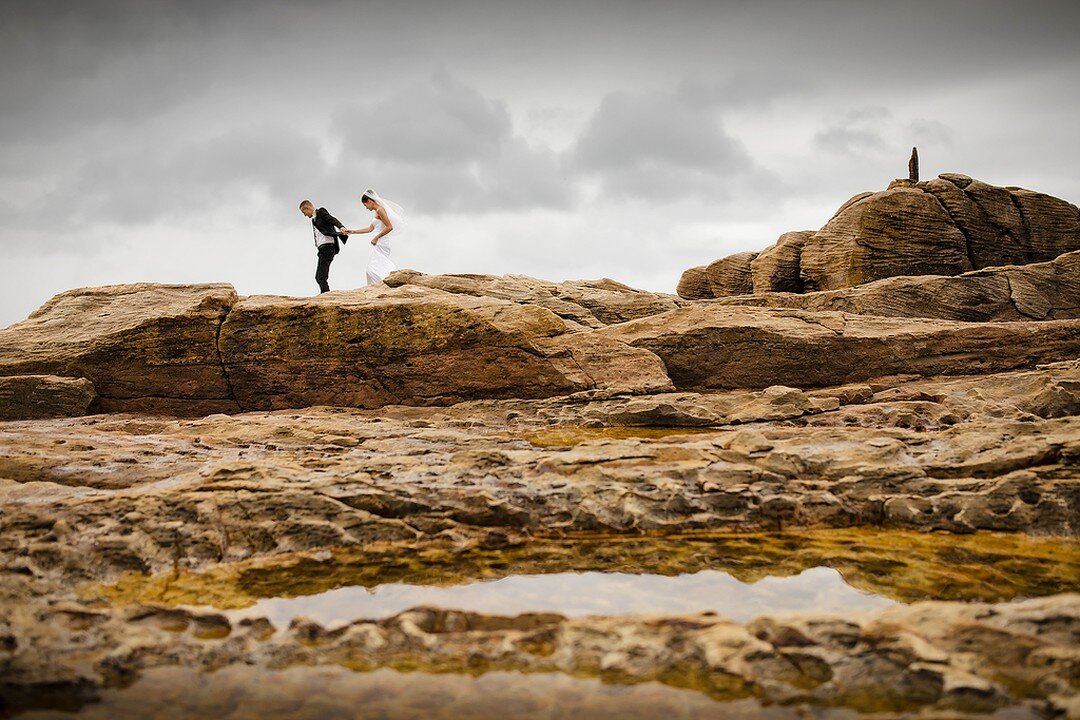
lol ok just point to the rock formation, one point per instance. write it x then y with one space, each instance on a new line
1040 291
29 397
893 400
776 269
730 275
946 226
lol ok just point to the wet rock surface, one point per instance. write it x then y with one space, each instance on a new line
118 530
901 455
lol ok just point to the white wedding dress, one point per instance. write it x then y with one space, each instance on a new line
380 264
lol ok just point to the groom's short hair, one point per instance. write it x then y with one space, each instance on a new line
307 203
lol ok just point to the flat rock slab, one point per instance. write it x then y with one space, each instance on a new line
591 303
31 397
713 347
417 345
1039 291
144 346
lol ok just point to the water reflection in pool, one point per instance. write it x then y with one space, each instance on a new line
587 593
735 575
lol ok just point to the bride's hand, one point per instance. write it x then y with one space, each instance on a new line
374 241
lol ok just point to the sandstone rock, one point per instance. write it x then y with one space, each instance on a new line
1039 291
592 303
901 231
416 345
731 275
26 397
715 347
987 217
776 269
694 284
945 226
144 345
1052 225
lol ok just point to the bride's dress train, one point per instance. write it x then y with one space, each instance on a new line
380 265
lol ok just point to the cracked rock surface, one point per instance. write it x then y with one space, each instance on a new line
162 517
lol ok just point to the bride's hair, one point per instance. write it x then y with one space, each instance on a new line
365 198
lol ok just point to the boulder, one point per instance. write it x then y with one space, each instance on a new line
143 346
776 269
592 303
901 231
944 226
730 275
32 397
712 346
417 345
1040 291
694 284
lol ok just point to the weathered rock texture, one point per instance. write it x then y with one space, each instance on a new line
901 231
417 345
776 269
143 346
1040 291
592 303
198 349
946 226
711 346
941 659
109 497
730 275
694 284
28 397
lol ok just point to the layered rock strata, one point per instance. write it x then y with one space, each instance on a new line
1040 291
946 226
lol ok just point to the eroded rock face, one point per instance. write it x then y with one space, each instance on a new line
712 346
144 346
416 345
592 303
776 269
694 284
901 231
1039 291
946 226
193 350
29 397
730 275
109 497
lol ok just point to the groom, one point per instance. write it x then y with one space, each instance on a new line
327 231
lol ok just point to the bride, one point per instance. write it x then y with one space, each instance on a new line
388 217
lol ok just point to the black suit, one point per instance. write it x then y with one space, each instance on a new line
328 225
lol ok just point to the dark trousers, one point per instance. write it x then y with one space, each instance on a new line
322 273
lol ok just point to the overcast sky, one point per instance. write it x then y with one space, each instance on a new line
172 141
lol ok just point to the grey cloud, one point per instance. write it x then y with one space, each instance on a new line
657 144
849 140
448 147
930 132
754 87
256 167
856 132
